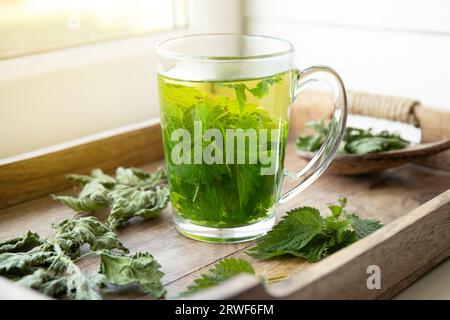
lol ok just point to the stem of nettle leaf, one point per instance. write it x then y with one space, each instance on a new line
195 195
59 253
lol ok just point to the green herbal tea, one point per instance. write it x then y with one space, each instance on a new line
225 164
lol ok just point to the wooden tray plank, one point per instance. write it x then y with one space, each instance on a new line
390 194
403 250
385 205
39 173
385 196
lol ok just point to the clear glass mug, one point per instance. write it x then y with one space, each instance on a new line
225 102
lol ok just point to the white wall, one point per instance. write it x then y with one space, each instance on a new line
53 97
395 47
399 47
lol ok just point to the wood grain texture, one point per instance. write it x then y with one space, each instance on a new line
38 173
385 196
403 250
436 126
42 172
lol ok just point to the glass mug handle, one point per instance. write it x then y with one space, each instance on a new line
327 151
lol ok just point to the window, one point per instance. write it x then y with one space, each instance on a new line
49 96
31 26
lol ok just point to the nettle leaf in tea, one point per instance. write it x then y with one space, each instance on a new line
223 143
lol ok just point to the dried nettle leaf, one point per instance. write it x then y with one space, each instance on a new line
22 263
51 269
71 234
93 196
133 192
97 175
128 202
140 268
21 244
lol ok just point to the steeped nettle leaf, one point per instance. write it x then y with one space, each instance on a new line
22 263
128 202
260 90
93 196
241 96
304 233
355 140
141 268
222 271
71 234
21 244
246 179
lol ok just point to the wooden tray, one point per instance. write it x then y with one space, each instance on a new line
412 201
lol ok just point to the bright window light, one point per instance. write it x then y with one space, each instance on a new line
31 26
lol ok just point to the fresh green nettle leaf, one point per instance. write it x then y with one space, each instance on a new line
141 268
21 244
355 141
222 271
313 142
296 230
133 192
304 233
363 227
